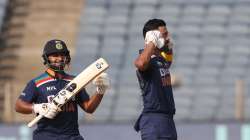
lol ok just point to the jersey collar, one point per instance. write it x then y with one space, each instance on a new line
54 74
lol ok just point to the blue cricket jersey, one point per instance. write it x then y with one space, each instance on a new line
155 84
41 90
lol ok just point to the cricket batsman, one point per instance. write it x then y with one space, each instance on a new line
58 123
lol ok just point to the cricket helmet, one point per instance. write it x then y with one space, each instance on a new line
56 46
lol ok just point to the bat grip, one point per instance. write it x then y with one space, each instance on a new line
34 121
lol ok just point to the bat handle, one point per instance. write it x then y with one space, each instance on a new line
34 121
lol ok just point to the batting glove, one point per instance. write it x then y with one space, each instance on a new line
48 110
169 43
102 83
156 38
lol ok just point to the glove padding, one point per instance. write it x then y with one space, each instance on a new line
48 110
156 38
102 83
170 44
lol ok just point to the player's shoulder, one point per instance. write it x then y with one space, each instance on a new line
41 77
44 77
34 81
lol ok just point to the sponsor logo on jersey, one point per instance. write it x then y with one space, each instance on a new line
51 88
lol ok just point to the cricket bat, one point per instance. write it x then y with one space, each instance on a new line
79 82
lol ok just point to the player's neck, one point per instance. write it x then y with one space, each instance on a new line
55 74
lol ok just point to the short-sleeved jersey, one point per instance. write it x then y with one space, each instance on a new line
41 90
155 84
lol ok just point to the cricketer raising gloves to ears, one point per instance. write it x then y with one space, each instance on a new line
159 41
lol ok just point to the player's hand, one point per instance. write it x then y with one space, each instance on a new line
102 83
156 38
169 42
48 110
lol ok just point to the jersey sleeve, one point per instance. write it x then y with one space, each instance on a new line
82 96
29 93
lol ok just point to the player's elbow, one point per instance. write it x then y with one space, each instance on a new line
88 108
17 108
23 107
90 111
140 65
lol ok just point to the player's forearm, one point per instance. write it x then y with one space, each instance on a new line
144 58
93 103
23 107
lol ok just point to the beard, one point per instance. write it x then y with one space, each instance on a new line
57 66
